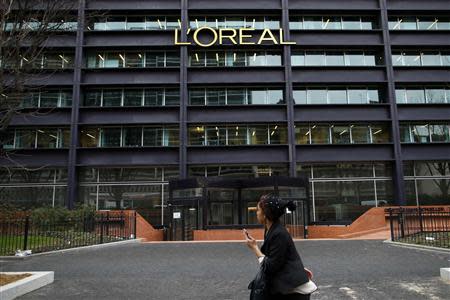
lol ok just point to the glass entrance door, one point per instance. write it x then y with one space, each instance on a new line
184 222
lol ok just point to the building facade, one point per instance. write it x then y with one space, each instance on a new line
353 94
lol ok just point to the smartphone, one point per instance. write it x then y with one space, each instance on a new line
247 234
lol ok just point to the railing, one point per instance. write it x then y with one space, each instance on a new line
418 225
42 235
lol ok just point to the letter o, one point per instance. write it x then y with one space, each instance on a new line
205 45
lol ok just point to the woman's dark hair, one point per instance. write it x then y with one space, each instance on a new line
274 207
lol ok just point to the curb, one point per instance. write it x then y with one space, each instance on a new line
418 247
25 285
98 246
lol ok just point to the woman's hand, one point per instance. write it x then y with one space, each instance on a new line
309 273
251 242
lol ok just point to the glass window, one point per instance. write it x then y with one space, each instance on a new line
31 100
341 134
427 23
236 96
154 23
433 192
302 134
334 59
112 98
110 137
64 138
336 96
197 59
66 99
357 96
197 135
172 59
275 97
368 24
135 23
408 23
89 137
431 59
312 22
317 96
215 135
153 97
173 23
298 59
397 59
134 60
258 135
299 96
235 59
197 96
320 134
385 193
405 134
371 59
380 134
421 133
439 133
172 97
256 59
273 59
215 96
360 134
215 59
296 23
132 137
373 95
278 134
115 23
351 23
237 135
415 96
132 97
435 95
254 22
411 59
47 138
354 58
153 136
445 56
332 23
257 96
114 60
25 138
53 61
154 59
400 95
235 22
49 99
8 142
215 22
315 59
432 168
99 24
171 136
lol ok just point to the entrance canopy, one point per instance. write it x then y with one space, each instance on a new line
206 203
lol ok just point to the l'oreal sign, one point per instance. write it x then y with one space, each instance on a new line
239 36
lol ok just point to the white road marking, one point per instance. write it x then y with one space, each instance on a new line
349 292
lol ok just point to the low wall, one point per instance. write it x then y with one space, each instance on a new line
146 231
226 234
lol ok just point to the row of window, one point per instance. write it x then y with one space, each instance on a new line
132 97
239 134
336 58
27 138
235 22
342 134
337 95
50 60
63 25
422 95
421 58
137 136
133 23
133 59
48 98
419 23
235 96
333 23
90 175
424 133
26 176
234 58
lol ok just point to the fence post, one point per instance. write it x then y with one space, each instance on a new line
391 221
25 238
402 225
420 219
135 224
101 228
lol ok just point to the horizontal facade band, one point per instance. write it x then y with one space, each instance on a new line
426 152
337 153
238 155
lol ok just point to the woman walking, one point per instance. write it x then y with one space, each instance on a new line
282 269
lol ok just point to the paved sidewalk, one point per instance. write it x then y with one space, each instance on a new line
352 269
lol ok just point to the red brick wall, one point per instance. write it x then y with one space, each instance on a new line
226 234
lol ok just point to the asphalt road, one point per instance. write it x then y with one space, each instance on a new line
343 270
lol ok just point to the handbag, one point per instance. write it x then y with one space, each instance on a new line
258 286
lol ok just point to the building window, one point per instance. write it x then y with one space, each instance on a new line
132 23
336 95
420 58
235 96
42 138
234 59
341 134
132 97
334 58
333 23
419 23
160 59
239 171
260 22
424 133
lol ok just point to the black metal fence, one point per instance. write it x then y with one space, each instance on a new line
42 235
424 226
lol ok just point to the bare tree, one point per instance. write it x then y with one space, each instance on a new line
25 29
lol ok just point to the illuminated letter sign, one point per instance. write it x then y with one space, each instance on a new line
239 36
